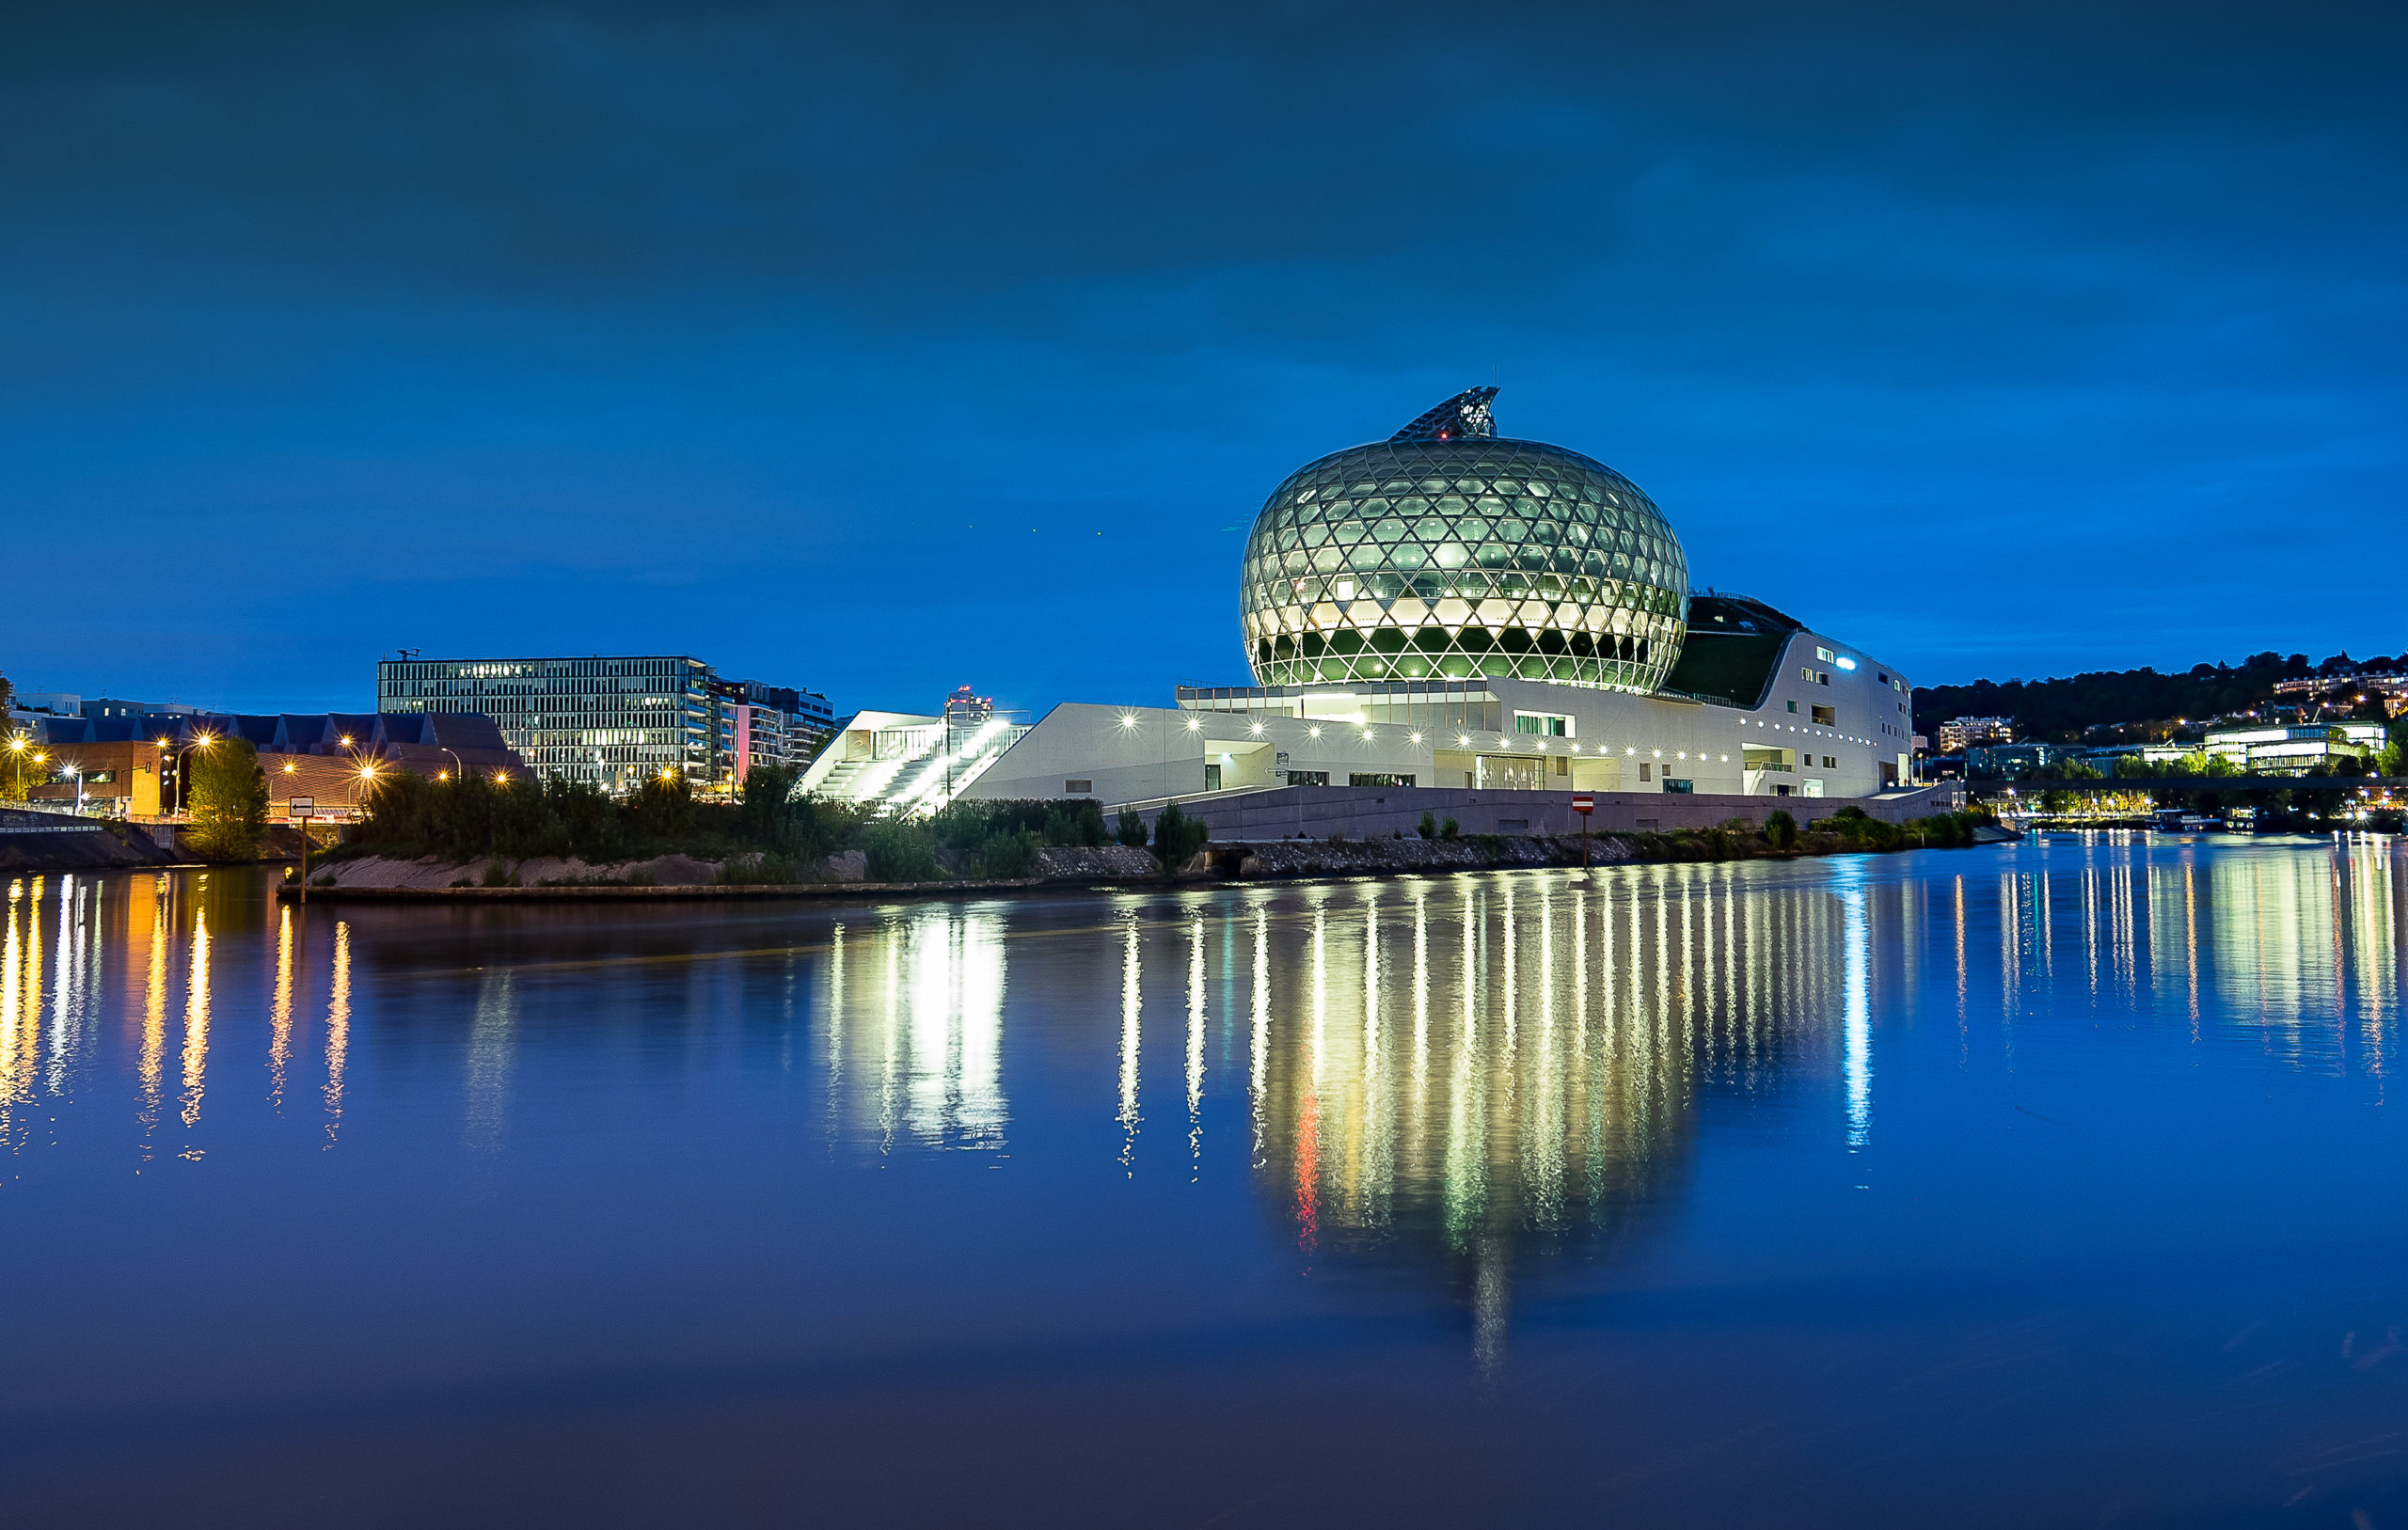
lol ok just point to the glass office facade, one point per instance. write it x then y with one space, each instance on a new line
612 721
1446 552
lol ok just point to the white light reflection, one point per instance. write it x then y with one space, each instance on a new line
1856 947
1196 1047
1132 1037
196 1053
490 1040
279 1013
337 1030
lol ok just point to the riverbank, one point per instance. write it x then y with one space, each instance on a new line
427 880
36 842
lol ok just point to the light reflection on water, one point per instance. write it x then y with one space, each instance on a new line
1487 1093
1468 1056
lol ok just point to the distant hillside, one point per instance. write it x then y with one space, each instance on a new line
2068 706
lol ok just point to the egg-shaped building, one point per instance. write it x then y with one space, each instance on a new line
1449 552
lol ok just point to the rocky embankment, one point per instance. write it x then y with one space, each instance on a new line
371 877
425 873
1343 858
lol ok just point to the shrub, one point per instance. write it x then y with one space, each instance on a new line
664 808
1074 823
1781 831
765 869
497 874
1008 854
1429 829
1177 837
900 852
1132 830
1448 829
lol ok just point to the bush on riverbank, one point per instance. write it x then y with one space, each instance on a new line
768 836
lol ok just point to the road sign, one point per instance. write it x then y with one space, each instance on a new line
1584 804
307 807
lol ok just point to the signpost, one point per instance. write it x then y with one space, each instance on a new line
301 810
1584 805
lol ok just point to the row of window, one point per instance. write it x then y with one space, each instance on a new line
1467 640
1359 778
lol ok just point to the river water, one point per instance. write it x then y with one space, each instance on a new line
2051 1183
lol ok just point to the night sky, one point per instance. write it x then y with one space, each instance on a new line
883 349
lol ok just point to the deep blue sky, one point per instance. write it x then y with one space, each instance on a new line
882 349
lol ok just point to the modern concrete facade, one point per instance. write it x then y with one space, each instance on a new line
1452 611
1818 731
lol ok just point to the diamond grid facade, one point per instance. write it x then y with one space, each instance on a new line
1449 553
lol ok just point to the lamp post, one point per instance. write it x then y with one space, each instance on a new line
459 771
174 759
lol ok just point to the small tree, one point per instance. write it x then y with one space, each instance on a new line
1429 829
229 799
1448 829
1177 837
1781 831
24 766
1131 832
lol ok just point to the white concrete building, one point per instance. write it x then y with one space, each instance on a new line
1449 609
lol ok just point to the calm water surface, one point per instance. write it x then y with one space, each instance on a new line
2061 1183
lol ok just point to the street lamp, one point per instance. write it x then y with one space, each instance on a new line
174 762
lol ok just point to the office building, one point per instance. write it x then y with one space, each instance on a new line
765 725
1958 735
617 721
2297 750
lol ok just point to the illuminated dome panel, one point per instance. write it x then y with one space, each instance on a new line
1447 552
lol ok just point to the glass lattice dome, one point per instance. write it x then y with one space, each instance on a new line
1445 552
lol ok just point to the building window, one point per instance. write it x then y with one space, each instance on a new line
1543 724
1676 784
1078 788
1829 763
1644 769
1826 717
1375 777
1793 706
1307 777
